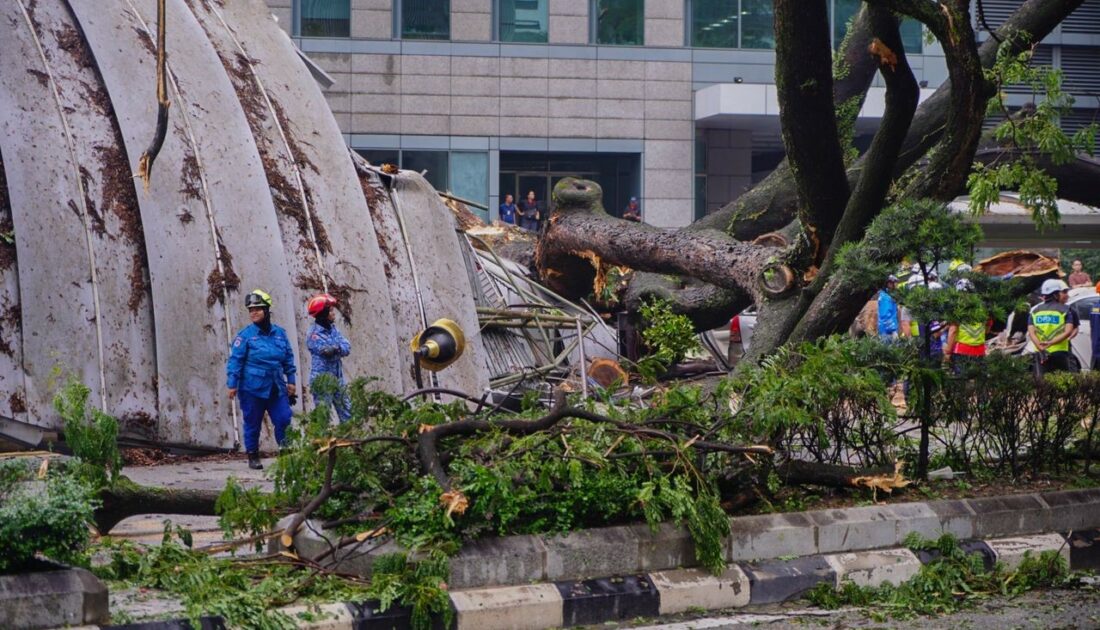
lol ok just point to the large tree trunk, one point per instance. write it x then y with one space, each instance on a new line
810 188
126 499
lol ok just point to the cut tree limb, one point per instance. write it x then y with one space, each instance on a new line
126 499
568 263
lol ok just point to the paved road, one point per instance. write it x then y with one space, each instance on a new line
1079 608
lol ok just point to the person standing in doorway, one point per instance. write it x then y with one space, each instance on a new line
261 374
1051 325
530 211
633 212
508 210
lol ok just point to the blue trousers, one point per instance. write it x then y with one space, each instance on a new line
338 401
253 408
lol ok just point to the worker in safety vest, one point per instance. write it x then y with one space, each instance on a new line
965 344
1051 325
261 374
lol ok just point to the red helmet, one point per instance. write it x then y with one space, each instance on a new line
319 303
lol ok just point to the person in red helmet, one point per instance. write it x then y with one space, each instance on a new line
327 349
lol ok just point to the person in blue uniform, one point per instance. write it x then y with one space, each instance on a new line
260 373
327 348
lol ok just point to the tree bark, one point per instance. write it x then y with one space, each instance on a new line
127 499
568 261
797 472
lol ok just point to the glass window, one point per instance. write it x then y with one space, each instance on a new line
620 22
524 21
843 12
470 176
324 18
378 157
434 162
912 36
757 24
714 24
426 19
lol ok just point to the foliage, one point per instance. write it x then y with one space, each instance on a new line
48 516
93 437
952 581
245 509
825 399
1036 133
243 592
668 335
421 585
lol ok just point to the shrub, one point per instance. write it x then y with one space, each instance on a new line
93 437
49 516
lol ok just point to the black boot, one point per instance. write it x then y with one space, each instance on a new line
254 461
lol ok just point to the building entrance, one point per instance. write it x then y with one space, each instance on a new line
617 173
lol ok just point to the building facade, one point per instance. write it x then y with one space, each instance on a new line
671 101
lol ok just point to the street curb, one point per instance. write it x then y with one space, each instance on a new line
572 603
638 549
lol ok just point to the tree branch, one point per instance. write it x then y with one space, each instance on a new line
567 258
902 94
804 82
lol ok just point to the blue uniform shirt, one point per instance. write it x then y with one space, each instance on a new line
508 213
326 348
887 313
258 362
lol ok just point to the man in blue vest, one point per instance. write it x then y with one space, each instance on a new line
1051 325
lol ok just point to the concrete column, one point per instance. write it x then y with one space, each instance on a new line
729 165
669 130
282 11
471 20
375 93
338 95
371 19
425 89
664 23
569 21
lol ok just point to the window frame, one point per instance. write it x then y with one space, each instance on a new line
399 24
296 22
594 25
497 14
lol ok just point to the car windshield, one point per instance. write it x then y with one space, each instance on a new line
1084 306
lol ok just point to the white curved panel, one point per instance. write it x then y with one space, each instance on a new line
327 233
189 324
56 292
427 259
13 396
125 304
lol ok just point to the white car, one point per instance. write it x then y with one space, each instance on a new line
1081 299
733 340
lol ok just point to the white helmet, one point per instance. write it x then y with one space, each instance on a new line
1053 285
964 285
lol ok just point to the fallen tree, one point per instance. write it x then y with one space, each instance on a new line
817 199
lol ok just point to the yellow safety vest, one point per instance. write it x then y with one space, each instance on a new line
972 334
1049 319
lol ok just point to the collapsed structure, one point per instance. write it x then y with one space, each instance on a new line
136 290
